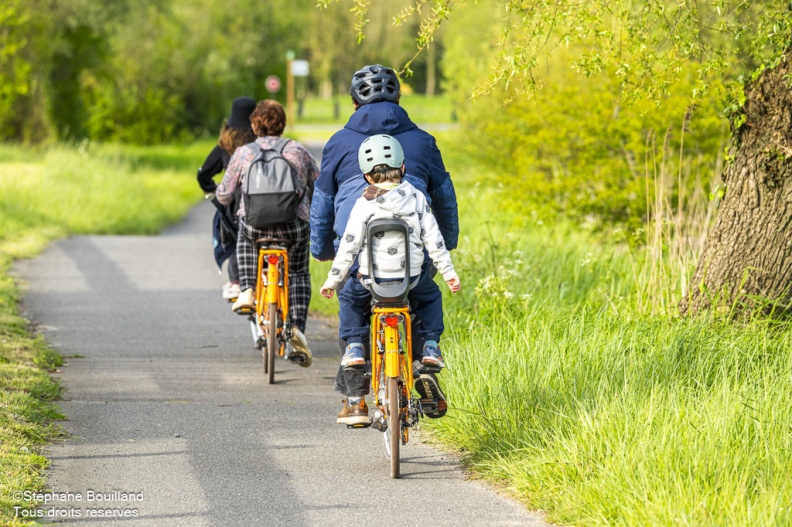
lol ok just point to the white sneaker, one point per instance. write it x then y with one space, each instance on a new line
231 291
246 300
300 355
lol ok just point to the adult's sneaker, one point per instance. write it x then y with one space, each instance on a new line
300 354
429 389
231 290
353 415
246 300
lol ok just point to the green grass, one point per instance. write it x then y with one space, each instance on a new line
45 194
565 394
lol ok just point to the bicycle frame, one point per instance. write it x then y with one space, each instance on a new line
397 360
273 287
272 304
391 362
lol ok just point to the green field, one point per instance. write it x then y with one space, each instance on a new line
565 390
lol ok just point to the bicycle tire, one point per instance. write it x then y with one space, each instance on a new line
394 425
272 341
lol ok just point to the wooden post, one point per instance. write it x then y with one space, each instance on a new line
289 90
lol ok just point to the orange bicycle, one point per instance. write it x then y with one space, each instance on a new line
391 351
270 322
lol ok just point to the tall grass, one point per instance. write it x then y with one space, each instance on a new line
573 383
680 211
45 194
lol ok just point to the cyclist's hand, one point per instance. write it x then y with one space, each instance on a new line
326 292
455 284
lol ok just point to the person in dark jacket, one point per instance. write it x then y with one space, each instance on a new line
375 92
236 131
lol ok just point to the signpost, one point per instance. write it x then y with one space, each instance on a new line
289 89
294 68
299 68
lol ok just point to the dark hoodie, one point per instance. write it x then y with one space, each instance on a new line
341 183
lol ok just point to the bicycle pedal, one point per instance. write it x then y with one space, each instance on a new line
359 425
245 311
424 368
429 405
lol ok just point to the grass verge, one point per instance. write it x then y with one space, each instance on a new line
575 399
46 194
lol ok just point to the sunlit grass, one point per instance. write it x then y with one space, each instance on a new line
564 390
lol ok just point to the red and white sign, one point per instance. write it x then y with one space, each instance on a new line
273 84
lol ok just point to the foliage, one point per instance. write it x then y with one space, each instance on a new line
151 72
338 54
22 115
646 45
575 147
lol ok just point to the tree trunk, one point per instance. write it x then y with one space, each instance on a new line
746 263
431 68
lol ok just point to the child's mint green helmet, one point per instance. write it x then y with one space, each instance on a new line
380 150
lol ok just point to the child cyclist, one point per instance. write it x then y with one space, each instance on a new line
388 195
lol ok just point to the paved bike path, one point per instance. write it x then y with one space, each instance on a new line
166 396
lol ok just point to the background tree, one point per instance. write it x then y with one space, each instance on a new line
339 52
23 34
650 47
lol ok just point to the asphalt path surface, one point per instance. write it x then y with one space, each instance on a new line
171 420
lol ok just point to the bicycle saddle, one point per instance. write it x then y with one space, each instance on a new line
273 241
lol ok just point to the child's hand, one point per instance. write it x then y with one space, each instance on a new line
455 284
327 292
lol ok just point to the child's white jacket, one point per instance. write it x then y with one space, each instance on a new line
404 202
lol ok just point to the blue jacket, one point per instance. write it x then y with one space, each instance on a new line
341 183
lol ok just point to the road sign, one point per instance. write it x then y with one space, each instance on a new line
299 68
273 84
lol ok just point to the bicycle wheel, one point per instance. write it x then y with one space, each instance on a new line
394 425
272 342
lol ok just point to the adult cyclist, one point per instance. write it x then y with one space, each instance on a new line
376 93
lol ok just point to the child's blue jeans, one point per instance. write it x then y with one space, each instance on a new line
354 302
354 312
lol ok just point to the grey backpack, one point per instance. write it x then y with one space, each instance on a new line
272 192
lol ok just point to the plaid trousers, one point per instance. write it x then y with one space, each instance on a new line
299 277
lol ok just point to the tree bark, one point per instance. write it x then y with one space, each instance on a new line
746 263
431 68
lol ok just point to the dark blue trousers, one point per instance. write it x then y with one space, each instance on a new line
354 313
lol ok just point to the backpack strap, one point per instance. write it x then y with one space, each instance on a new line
280 144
